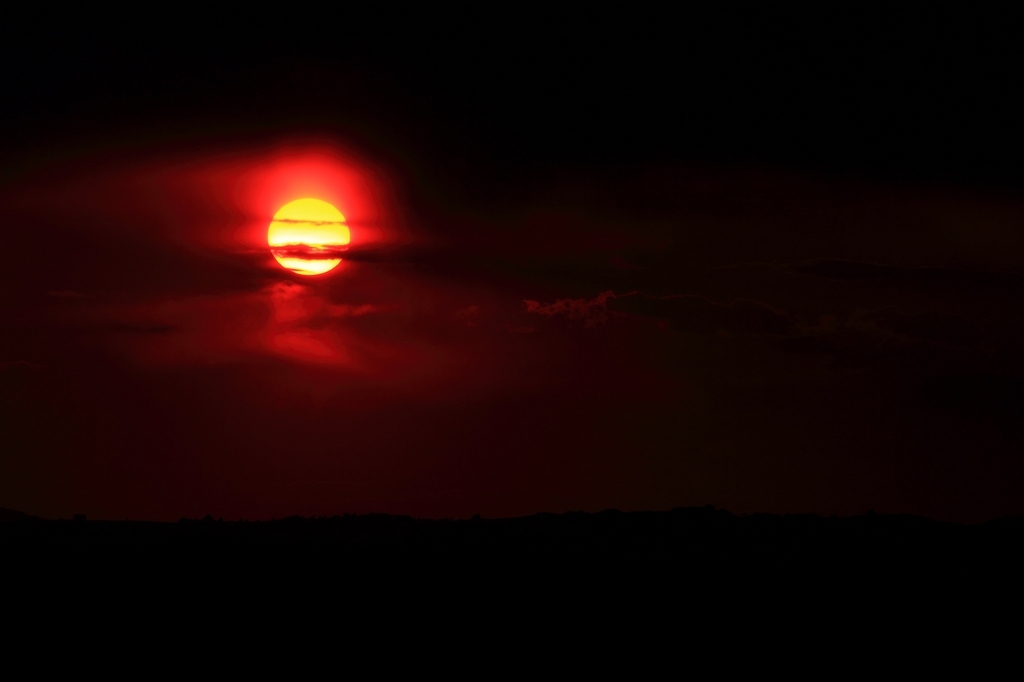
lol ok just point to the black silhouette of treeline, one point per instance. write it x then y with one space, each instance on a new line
616 568
682 536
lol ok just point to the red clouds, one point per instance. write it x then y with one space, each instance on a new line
283 321
309 253
262 183
208 200
166 250
592 311
158 363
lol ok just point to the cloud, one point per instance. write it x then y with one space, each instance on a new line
952 330
864 329
923 344
619 263
129 327
885 339
853 270
889 326
695 314
327 252
296 221
20 365
283 320
345 310
298 304
469 315
592 311
518 328
700 315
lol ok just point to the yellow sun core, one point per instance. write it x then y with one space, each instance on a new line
308 236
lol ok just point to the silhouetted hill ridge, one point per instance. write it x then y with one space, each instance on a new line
14 515
683 556
659 531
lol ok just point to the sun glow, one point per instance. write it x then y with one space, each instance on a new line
308 236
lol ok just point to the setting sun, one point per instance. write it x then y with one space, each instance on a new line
307 236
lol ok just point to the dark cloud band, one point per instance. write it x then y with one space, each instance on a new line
308 252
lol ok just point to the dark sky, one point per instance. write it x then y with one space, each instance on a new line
771 263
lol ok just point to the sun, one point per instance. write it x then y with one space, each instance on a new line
308 236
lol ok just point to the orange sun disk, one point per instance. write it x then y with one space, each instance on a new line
308 236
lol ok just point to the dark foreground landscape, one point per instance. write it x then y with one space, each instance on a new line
678 541
704 569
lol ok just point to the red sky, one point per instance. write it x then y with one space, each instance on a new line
641 338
